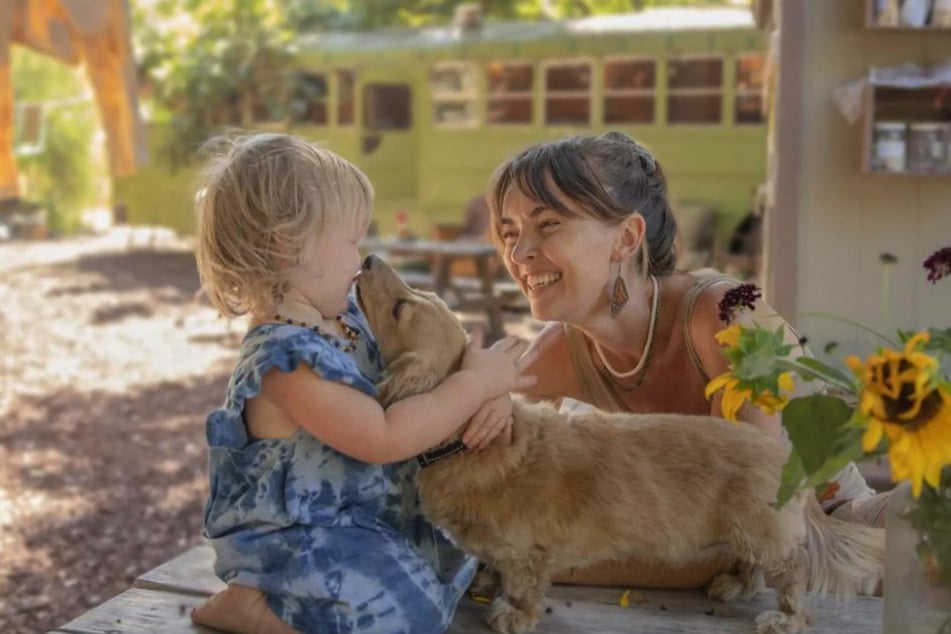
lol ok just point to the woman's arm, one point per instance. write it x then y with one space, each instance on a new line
640 574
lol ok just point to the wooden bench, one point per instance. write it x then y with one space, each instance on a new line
161 600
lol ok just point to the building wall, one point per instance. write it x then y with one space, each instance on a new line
846 218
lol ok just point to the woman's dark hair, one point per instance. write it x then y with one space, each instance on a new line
607 177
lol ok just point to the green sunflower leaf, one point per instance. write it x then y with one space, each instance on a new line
816 425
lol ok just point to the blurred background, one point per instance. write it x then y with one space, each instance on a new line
807 147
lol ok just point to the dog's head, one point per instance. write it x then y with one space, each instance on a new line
420 339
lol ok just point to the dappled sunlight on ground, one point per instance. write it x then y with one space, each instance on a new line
110 361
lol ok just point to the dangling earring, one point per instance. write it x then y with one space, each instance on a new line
619 294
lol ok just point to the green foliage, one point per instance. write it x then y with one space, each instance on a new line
63 175
215 64
825 441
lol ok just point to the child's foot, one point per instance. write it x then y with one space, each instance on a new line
241 610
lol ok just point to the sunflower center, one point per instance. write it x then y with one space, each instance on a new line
928 405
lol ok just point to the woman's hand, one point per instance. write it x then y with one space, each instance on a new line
498 369
493 419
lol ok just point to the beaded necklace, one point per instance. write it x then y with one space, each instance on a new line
351 333
612 375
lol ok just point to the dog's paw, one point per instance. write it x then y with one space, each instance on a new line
486 583
726 587
776 622
505 618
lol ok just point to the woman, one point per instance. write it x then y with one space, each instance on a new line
584 226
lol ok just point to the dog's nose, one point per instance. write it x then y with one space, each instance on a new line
368 262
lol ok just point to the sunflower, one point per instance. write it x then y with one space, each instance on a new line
901 400
740 383
736 392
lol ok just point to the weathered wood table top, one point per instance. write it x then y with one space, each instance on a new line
161 599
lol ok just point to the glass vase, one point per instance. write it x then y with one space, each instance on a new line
918 561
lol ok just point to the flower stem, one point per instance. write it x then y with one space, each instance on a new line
801 369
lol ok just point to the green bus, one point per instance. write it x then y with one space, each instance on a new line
428 113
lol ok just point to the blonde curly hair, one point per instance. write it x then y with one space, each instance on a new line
262 196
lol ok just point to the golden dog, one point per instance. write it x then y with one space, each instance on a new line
571 491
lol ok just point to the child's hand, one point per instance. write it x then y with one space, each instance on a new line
492 419
498 369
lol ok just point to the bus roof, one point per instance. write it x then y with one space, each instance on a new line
666 20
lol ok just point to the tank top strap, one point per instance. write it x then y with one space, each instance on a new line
705 279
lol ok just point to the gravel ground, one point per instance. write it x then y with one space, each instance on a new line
108 366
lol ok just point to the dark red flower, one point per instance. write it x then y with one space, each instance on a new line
744 295
938 264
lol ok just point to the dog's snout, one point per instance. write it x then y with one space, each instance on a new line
368 262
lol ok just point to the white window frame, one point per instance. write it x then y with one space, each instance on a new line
511 96
695 92
567 61
629 92
469 95
755 92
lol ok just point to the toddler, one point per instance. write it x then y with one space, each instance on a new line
312 510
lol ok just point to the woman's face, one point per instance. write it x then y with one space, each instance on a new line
562 264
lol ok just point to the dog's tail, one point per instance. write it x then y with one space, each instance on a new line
845 558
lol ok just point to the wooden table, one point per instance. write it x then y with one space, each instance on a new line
161 599
479 293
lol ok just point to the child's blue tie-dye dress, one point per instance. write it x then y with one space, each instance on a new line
337 545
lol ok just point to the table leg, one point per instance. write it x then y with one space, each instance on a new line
493 307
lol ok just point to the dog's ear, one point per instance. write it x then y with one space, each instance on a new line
405 376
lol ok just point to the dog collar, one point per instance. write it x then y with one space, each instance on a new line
433 456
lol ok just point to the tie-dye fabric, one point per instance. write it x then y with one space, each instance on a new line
338 546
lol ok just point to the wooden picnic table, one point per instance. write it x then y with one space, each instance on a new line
481 293
161 599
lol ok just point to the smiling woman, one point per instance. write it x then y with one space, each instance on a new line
585 227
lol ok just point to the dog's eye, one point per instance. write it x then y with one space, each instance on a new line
398 308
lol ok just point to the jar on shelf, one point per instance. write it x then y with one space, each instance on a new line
927 147
888 154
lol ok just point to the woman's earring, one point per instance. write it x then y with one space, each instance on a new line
619 294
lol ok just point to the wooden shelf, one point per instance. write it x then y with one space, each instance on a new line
909 106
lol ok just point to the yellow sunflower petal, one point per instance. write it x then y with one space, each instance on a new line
872 436
717 383
729 336
786 382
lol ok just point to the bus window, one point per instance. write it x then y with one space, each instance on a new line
453 90
568 93
749 88
694 90
345 91
629 86
309 103
387 107
509 99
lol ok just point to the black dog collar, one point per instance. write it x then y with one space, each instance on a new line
433 456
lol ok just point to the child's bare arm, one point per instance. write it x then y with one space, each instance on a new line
356 424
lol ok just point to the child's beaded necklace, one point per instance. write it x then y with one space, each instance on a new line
351 333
